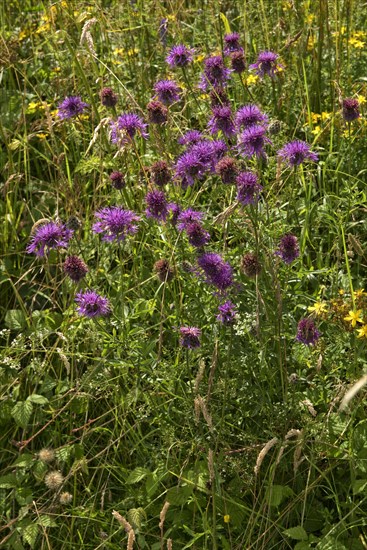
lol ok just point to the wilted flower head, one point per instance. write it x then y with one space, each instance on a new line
75 268
49 235
115 223
215 73
197 235
167 91
175 210
160 173
117 180
65 498
108 97
296 152
227 313
125 128
222 121
350 109
54 480
288 248
249 115
266 63
190 337
227 169
163 31
157 205
238 62
47 455
92 304
70 107
163 270
252 141
179 56
231 43
157 112
307 332
216 270
248 188
250 265
188 216
191 137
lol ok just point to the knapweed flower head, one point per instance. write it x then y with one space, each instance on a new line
307 332
238 63
251 265
350 109
191 137
187 217
222 121
253 140
124 129
217 272
227 169
75 268
160 173
167 91
163 270
115 223
179 56
190 337
197 235
296 152
227 313
117 179
250 115
288 248
157 112
215 73
266 63
49 235
108 97
218 97
91 304
70 107
189 167
156 205
248 188
232 43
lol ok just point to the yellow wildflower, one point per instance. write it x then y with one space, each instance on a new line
315 117
251 79
356 43
362 332
318 308
227 518
361 99
359 293
309 19
341 291
325 115
316 131
42 136
354 317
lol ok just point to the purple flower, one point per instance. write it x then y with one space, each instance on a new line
249 115
288 248
108 97
231 43
179 56
175 210
190 138
71 106
216 270
296 152
50 235
266 63
75 268
190 337
252 141
187 217
92 304
167 91
350 109
248 188
117 180
222 121
227 313
125 127
188 167
307 332
215 73
218 98
157 112
226 168
210 152
160 173
115 223
157 205
197 235
238 63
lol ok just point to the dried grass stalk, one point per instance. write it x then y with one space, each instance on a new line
262 454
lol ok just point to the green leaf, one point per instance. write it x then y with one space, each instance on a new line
135 516
30 534
37 399
278 493
225 23
330 543
21 413
137 475
195 539
359 486
178 496
302 546
46 521
24 460
8 482
15 319
296 533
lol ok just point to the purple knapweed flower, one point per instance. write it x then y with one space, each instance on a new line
249 115
190 337
222 121
252 141
115 223
227 169
296 152
175 211
71 106
188 167
92 304
124 129
167 91
117 180
215 73
238 62
179 56
108 97
187 217
216 270
350 109
49 235
75 268
197 235
248 188
227 313
160 173
231 43
210 152
266 63
218 98
157 112
191 137
157 205
307 332
288 248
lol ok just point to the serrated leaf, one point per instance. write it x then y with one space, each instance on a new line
137 475
8 482
30 533
135 516
21 413
37 399
24 460
296 533
64 453
15 319
46 521
177 496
